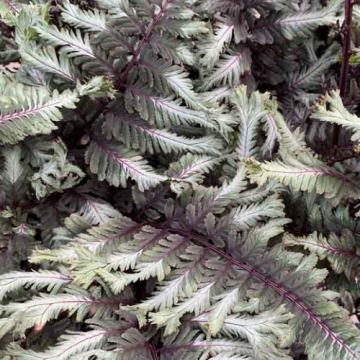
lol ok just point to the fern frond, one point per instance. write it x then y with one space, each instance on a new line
13 281
250 111
296 24
133 344
71 345
245 217
165 78
113 6
110 235
306 174
341 251
96 211
336 113
72 43
121 164
193 345
32 111
181 283
137 134
229 69
183 28
164 112
40 310
258 330
294 141
46 60
14 176
213 45
198 303
88 20
171 48
310 77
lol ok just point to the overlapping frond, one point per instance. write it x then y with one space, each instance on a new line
155 152
39 310
73 43
46 60
164 112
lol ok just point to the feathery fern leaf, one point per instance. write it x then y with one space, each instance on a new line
341 251
121 164
306 173
30 111
88 20
137 134
337 114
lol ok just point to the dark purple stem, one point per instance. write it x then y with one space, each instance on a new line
153 352
144 41
278 288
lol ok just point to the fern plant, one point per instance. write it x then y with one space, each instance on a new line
166 187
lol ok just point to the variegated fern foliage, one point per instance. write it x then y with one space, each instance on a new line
165 187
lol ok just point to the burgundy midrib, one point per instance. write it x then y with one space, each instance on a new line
156 100
191 168
188 270
88 301
280 22
328 248
20 114
102 333
155 133
237 58
225 32
58 71
11 6
122 234
318 172
119 160
42 277
303 77
286 293
158 236
144 41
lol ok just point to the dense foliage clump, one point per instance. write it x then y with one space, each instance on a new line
179 179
